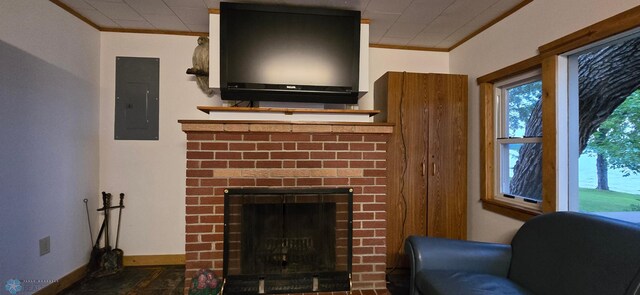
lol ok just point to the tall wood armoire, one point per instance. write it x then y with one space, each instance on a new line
426 157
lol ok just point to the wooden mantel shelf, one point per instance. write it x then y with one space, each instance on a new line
286 127
286 111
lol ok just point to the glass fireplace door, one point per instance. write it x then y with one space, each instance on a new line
287 240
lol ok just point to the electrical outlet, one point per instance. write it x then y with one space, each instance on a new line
45 245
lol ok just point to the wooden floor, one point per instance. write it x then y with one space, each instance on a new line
139 280
169 280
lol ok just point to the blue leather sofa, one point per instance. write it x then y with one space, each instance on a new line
558 253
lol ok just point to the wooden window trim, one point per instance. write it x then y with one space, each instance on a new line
549 132
488 140
547 60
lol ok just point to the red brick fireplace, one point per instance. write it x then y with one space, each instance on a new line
233 154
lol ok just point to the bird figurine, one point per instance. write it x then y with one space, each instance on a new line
201 65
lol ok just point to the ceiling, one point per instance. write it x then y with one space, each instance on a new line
428 24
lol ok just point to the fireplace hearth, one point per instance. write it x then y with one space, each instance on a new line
287 240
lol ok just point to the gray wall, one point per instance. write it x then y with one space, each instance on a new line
49 153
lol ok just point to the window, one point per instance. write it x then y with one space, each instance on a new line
518 149
564 118
604 111
512 147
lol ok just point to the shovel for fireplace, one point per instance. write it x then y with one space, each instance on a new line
109 259
96 251
118 252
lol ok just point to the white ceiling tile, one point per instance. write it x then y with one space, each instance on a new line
192 15
483 18
166 22
212 3
386 6
380 16
112 1
504 5
424 43
380 23
459 34
423 36
98 18
404 30
186 3
429 23
134 24
117 11
375 39
445 24
150 7
467 9
428 39
77 4
358 5
394 41
378 29
446 44
424 12
198 28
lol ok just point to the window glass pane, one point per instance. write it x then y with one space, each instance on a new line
609 165
605 92
521 170
523 102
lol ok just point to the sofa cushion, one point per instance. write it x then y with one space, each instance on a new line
571 253
468 283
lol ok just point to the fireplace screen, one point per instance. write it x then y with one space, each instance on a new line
287 240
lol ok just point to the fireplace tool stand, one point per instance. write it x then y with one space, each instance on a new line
107 261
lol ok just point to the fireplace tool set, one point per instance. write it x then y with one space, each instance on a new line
106 260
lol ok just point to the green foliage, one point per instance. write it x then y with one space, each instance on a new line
522 101
618 138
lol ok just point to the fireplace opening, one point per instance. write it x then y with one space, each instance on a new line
287 240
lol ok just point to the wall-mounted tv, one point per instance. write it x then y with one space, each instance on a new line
285 53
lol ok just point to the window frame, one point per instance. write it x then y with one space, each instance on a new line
554 89
502 137
573 113
488 139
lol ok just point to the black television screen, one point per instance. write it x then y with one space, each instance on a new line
283 53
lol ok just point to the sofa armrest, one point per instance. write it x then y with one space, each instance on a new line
426 253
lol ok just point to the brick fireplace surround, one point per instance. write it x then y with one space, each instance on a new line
245 154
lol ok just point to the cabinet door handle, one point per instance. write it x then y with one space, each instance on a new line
433 172
423 168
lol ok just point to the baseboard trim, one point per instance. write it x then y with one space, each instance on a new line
145 260
64 282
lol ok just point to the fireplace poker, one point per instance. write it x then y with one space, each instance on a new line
86 206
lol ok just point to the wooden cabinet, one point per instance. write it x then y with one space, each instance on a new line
426 157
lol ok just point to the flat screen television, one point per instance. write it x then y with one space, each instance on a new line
285 53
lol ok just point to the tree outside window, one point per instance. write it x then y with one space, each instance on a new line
519 137
608 132
608 116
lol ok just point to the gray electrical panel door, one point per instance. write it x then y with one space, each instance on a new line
137 98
